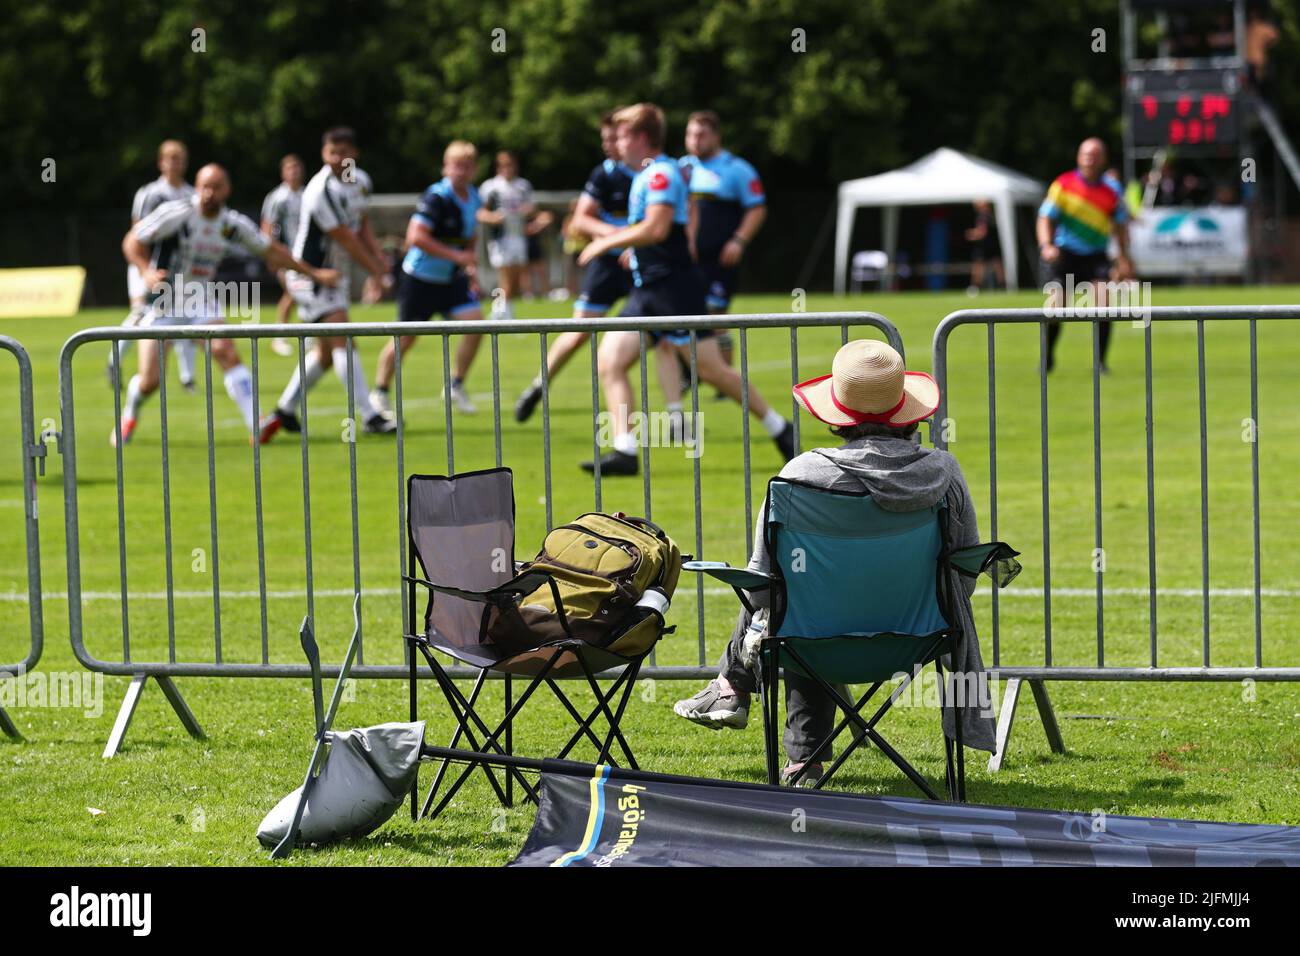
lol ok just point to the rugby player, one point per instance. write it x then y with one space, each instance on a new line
439 271
181 243
728 208
507 206
333 230
665 283
601 209
280 212
170 184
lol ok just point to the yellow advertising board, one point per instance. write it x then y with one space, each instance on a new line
40 293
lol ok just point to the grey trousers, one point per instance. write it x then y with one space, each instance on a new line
810 712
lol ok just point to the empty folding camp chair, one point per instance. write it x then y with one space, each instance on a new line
859 595
461 536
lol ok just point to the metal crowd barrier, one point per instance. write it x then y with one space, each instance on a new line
1036 673
33 454
249 337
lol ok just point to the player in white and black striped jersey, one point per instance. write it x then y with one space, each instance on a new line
333 232
170 185
280 213
177 249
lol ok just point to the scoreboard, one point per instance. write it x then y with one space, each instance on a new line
1191 108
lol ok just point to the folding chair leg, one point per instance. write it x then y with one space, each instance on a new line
950 769
510 739
585 723
772 711
461 729
456 700
602 704
615 727
490 742
413 678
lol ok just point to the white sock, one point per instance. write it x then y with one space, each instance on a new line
185 360
774 422
502 309
674 408
134 398
239 386
625 443
291 398
359 387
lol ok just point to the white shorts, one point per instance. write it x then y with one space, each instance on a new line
134 284
508 251
316 301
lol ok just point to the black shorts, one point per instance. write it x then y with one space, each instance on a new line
603 284
719 283
417 300
534 249
1085 267
679 294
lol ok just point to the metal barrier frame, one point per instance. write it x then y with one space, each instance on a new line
164 672
33 455
1036 675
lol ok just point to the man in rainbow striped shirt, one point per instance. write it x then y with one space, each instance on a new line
1075 222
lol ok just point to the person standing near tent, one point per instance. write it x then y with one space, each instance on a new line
1083 208
985 254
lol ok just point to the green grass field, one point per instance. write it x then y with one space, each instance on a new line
1200 750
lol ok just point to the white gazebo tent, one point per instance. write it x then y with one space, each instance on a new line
944 176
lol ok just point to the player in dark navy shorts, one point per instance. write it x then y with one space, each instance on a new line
728 208
601 209
666 283
439 272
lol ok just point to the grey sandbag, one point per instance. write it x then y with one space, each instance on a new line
367 774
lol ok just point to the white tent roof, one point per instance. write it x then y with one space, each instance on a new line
944 176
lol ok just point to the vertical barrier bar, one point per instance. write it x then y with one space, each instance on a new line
446 395
794 380
212 506
257 503
1205 497
546 430
595 417
695 465
1151 495
306 478
645 446
993 481
352 491
496 409
407 624
744 440
116 359
1099 553
1254 489
167 505
1047 523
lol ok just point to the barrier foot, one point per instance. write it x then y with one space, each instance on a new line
132 700
1007 717
9 727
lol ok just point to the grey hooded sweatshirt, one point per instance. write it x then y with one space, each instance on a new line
901 475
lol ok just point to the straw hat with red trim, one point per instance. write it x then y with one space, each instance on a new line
868 383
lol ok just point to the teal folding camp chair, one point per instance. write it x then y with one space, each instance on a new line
858 595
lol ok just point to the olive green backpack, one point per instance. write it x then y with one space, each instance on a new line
614 576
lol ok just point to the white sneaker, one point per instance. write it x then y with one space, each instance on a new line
379 403
460 399
282 347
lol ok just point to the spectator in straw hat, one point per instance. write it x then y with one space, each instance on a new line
873 405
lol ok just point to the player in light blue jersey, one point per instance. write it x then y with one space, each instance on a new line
440 271
601 209
666 283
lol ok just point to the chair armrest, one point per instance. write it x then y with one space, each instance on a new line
735 577
996 559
